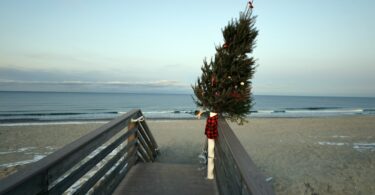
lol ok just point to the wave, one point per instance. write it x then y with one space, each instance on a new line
85 117
170 112
40 123
315 108
88 115
311 112
327 110
306 111
55 114
36 117
369 111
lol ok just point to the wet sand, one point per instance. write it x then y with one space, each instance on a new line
334 155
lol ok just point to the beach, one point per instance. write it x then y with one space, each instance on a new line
326 155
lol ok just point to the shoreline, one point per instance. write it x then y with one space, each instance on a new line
325 155
24 122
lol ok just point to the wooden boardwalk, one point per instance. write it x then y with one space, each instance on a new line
166 179
131 171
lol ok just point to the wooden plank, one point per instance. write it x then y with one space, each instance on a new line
110 183
219 174
146 147
252 177
132 125
37 185
89 183
147 130
33 176
230 178
141 157
147 139
143 153
144 133
60 187
166 179
86 144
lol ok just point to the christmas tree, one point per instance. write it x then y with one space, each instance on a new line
225 84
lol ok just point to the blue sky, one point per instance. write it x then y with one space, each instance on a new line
303 48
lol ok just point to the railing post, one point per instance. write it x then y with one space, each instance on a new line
131 138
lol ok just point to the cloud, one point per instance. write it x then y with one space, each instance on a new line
164 86
15 79
28 74
159 83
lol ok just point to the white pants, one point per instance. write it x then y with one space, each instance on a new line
210 160
211 154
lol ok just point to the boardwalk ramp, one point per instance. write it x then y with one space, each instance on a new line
119 158
166 179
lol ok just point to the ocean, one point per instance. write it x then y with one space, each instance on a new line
26 107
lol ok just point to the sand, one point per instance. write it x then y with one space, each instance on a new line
314 155
302 155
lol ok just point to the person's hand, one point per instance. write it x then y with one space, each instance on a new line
198 114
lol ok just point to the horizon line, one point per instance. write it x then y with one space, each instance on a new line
171 93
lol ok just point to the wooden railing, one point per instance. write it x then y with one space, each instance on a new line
104 156
235 172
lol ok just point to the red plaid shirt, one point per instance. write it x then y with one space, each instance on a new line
211 127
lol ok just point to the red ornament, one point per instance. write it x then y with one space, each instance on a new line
251 4
213 80
235 95
225 45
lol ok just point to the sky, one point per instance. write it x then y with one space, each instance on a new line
307 48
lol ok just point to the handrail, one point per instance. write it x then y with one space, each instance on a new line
58 171
235 172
